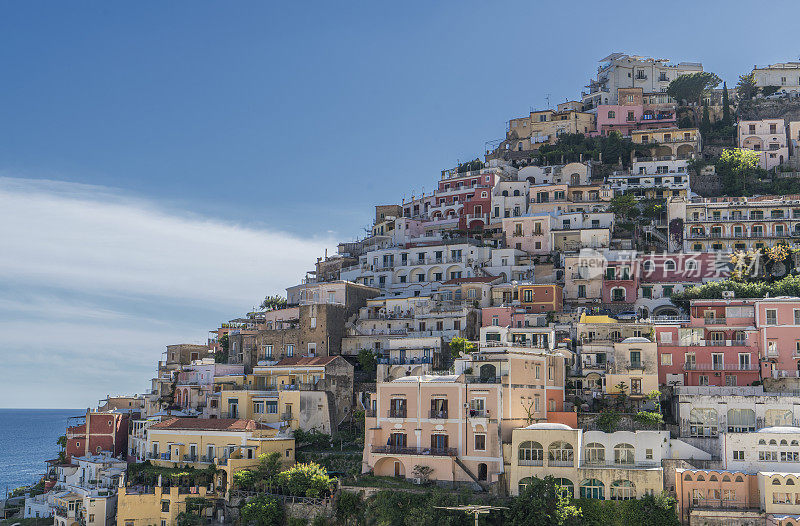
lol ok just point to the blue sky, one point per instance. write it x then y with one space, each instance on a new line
165 165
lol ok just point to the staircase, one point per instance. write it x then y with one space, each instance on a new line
656 236
482 483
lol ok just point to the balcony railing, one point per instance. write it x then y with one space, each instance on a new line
478 413
614 465
287 416
438 415
561 463
719 367
405 450
396 413
530 462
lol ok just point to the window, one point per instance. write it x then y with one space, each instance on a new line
480 442
530 454
611 114
314 318
595 453
741 420
271 407
592 489
258 407
622 490
560 454
738 455
290 350
623 454
772 317
648 454
778 417
797 316
164 505
312 349
666 359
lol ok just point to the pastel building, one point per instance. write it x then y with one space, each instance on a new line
733 223
718 345
778 320
682 143
456 424
767 138
621 465
635 111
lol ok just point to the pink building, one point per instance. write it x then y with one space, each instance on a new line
723 497
635 111
456 424
717 345
778 320
621 280
530 233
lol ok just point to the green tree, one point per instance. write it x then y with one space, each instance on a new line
349 509
273 302
543 503
623 205
367 360
62 441
221 356
460 345
705 123
269 465
746 87
306 480
186 518
691 87
262 511
739 170
727 120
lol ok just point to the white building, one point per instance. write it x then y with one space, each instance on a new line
619 70
767 138
509 199
784 75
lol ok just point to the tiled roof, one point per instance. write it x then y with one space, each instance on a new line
305 360
208 424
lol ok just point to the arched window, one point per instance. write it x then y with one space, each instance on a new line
611 114
595 453
623 490
701 478
530 454
647 265
762 442
624 454
560 454
566 487
741 420
505 193
703 422
778 417
592 489
726 478
773 442
739 478
776 482
794 443
687 477
691 265
523 483
669 265
789 482
784 442
516 193
713 478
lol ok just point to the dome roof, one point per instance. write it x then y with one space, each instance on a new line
780 429
549 425
636 339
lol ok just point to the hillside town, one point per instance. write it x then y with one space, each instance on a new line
604 304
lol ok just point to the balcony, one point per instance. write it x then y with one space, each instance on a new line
478 413
636 365
719 367
561 463
538 462
287 417
438 415
614 465
396 413
714 321
404 450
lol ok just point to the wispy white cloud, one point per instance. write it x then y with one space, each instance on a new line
94 283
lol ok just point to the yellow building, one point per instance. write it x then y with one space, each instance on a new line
298 392
544 127
231 444
683 143
156 506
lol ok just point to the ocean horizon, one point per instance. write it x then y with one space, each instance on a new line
27 439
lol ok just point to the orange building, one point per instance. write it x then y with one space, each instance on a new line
545 297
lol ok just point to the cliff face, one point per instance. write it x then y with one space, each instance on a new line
786 109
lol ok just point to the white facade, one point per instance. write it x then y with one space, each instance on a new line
785 75
768 449
619 70
767 138
509 199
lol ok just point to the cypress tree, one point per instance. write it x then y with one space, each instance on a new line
726 106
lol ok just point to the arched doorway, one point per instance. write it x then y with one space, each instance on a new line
488 372
482 471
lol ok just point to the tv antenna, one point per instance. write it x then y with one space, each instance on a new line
547 98
475 509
